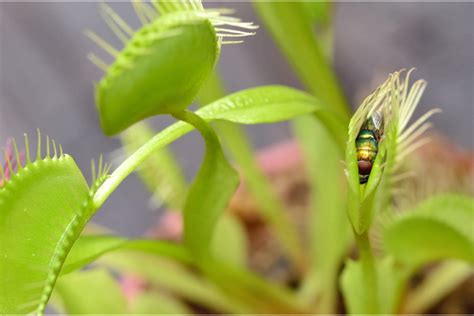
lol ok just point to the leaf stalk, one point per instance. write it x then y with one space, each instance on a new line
369 271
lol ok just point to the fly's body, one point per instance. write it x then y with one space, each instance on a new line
367 145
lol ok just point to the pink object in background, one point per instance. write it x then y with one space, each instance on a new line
274 160
169 226
280 157
132 286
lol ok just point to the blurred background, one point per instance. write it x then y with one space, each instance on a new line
47 82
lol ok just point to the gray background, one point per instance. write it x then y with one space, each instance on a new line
47 82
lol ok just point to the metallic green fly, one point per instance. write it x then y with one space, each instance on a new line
367 144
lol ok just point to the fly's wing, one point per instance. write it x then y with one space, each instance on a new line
377 120
376 124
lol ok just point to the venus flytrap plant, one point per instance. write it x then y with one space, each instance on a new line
258 105
393 104
45 203
240 105
115 94
33 256
181 32
147 59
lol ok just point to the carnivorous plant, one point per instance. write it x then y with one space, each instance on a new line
163 67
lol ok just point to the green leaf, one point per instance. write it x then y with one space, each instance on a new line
158 303
43 209
166 6
441 281
160 70
91 292
439 228
172 277
161 173
252 290
266 104
210 192
147 259
319 15
89 248
356 293
318 12
291 28
229 242
269 104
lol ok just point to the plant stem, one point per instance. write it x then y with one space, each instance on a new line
369 271
202 126
161 174
160 140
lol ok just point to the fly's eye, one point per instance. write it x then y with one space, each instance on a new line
364 167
